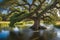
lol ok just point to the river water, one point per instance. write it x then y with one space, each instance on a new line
58 34
4 34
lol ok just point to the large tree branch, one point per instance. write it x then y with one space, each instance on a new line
48 8
47 17
30 14
39 8
13 12
26 15
21 4
31 5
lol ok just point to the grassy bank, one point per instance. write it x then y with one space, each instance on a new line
19 24
22 24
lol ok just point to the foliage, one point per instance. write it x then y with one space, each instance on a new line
53 17
7 3
39 10
58 1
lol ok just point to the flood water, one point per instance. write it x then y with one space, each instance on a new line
29 34
4 34
58 34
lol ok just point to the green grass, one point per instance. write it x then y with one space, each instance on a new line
18 24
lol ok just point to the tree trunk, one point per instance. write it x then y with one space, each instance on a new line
36 25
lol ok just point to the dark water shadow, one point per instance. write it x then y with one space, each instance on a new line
29 34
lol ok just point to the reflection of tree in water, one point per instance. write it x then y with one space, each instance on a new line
38 36
14 36
28 34
35 36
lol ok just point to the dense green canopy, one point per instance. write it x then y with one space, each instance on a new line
36 10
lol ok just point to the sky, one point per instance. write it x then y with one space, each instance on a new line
30 1
4 12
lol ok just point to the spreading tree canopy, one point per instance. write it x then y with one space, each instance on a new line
36 10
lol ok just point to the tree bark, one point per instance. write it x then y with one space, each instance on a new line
36 25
